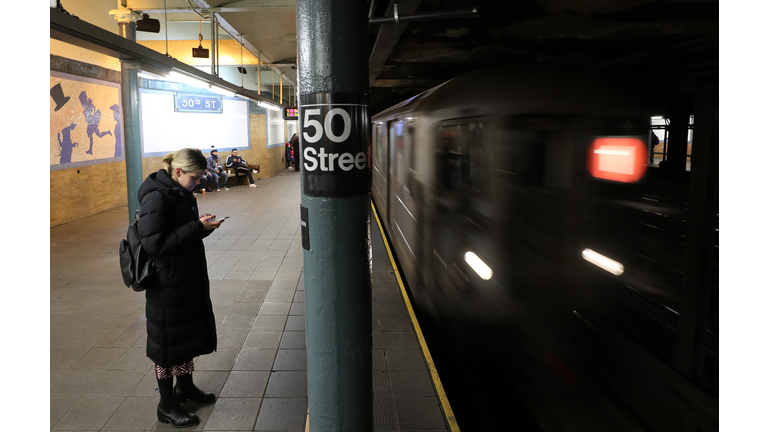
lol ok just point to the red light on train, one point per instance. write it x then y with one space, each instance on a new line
617 159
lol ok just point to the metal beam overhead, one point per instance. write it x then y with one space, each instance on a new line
72 30
387 38
234 34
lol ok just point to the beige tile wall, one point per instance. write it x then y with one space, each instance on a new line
80 192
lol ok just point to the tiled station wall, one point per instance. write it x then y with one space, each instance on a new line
83 191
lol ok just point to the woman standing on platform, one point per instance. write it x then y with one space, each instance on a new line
180 321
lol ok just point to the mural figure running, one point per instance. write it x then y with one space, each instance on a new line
92 117
66 146
118 131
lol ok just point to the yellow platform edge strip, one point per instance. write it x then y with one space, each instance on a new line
427 356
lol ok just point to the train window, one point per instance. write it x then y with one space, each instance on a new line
449 158
462 155
399 146
528 156
391 144
409 147
475 171
377 141
537 156
659 139
381 150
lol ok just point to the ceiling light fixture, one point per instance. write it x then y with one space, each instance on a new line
268 106
186 79
147 24
200 52
221 91
151 75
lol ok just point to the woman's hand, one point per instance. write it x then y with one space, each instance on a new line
209 222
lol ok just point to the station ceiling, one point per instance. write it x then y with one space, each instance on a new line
669 47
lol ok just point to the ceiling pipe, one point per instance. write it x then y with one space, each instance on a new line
126 21
165 19
214 45
216 31
426 16
195 11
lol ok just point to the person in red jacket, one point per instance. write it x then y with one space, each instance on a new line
296 152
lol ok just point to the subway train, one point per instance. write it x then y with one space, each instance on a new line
526 205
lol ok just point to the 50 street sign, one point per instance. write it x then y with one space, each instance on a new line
335 144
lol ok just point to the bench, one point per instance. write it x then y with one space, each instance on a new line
243 180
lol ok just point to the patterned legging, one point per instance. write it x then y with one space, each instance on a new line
176 370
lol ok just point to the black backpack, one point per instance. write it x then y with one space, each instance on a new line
136 265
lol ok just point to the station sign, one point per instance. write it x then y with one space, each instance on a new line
197 103
290 113
335 144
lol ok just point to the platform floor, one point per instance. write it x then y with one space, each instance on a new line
101 379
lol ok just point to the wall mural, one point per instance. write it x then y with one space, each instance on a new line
86 121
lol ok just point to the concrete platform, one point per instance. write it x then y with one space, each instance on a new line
101 379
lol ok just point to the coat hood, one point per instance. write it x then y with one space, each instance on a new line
158 181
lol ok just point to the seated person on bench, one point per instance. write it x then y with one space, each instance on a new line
219 176
238 165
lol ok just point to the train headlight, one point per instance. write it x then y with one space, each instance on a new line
605 263
478 266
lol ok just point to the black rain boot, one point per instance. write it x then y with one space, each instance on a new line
186 390
169 409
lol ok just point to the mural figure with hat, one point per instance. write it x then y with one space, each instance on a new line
92 117
57 93
66 146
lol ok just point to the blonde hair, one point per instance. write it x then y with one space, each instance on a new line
188 159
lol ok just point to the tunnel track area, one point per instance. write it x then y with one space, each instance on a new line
475 376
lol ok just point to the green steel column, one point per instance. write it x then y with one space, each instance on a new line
132 125
131 110
335 210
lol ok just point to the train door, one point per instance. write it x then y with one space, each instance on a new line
402 206
459 225
380 186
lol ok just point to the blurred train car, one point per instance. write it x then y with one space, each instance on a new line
525 204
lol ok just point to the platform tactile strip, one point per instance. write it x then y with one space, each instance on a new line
411 383
419 413
404 359
389 340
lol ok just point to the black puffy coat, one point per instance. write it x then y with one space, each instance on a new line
180 321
